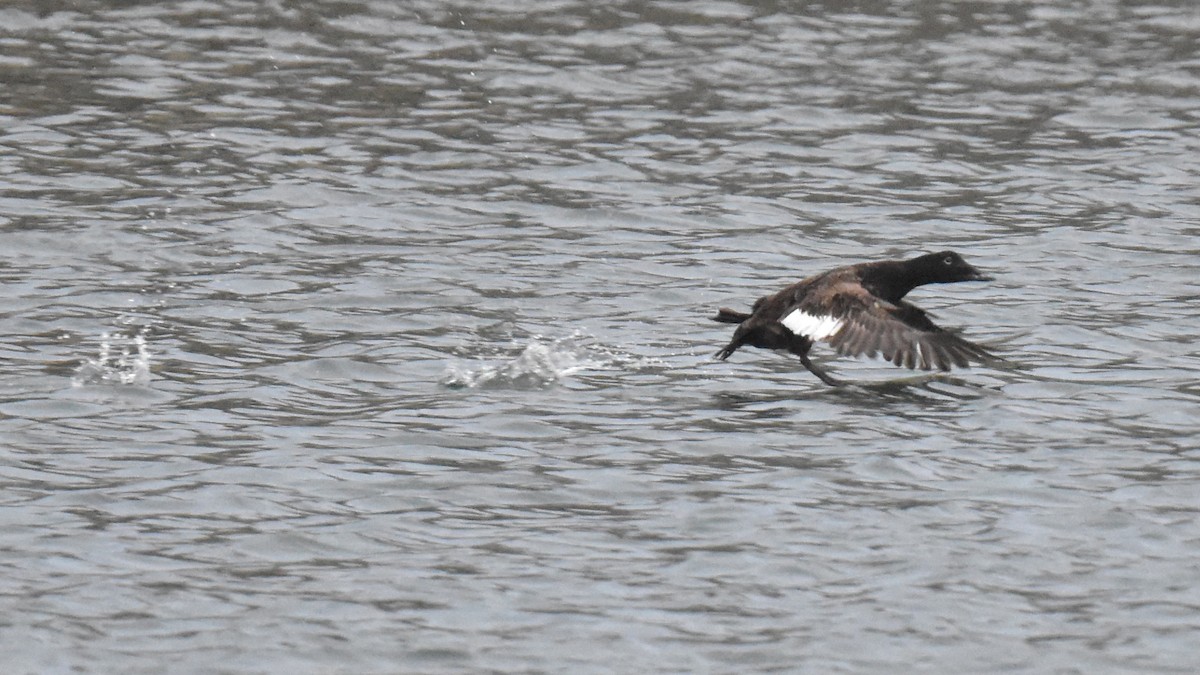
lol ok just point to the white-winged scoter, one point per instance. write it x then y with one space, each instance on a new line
860 311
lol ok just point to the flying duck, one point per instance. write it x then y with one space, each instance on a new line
860 311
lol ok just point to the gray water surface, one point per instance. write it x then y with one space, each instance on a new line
372 337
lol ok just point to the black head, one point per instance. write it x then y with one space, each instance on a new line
944 268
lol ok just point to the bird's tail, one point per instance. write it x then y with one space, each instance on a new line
726 315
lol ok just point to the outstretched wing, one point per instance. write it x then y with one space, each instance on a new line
856 323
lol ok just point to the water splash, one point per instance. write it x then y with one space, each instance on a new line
539 363
124 359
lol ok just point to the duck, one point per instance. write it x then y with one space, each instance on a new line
860 310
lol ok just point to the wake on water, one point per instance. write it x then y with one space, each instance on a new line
539 363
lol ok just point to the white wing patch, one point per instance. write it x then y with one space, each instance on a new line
812 327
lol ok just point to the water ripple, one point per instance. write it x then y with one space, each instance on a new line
341 337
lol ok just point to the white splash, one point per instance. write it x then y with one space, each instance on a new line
123 359
812 327
538 364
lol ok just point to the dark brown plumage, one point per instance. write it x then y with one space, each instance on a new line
860 311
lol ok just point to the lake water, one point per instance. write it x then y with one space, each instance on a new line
372 337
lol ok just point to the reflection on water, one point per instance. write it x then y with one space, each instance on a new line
343 335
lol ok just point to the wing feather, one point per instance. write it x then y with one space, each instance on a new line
857 323
902 334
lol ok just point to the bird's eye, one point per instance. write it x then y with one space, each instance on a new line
948 260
